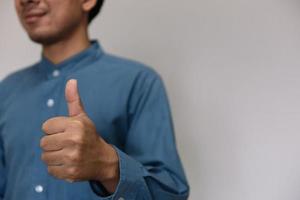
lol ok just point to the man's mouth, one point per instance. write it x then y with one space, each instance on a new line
33 16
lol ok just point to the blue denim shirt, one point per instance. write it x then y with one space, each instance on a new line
128 104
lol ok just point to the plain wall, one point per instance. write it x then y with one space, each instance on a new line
232 70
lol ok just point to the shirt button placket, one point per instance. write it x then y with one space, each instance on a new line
39 188
39 191
56 73
50 103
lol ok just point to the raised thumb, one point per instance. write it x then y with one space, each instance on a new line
75 105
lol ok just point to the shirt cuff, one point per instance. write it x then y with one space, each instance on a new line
131 179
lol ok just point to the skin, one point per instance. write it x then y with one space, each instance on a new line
72 148
61 27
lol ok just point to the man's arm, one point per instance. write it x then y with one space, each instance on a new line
2 169
3 96
150 167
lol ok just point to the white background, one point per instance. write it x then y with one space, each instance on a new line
232 70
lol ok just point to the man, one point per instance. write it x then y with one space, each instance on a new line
82 124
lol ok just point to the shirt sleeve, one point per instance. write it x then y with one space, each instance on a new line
2 170
2 158
150 167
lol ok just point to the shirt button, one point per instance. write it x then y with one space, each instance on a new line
39 188
50 102
121 198
56 73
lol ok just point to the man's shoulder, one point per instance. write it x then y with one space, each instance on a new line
17 77
129 66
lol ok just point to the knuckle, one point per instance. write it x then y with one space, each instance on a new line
73 172
47 124
75 157
70 141
44 126
67 158
43 143
50 170
70 158
78 139
78 124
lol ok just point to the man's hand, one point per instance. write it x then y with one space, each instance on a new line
72 148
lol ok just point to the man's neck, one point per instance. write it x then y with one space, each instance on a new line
64 49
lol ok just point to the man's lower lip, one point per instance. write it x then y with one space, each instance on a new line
32 19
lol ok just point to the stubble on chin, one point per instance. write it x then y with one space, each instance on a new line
43 39
48 37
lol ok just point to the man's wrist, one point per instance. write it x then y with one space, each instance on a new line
110 174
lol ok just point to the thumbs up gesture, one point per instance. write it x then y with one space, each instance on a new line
73 150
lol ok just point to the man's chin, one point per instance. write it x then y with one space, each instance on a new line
42 39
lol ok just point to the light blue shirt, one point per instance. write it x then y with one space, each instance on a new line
128 104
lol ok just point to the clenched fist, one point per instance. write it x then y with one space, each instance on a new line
73 150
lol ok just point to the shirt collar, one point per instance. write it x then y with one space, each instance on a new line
71 64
